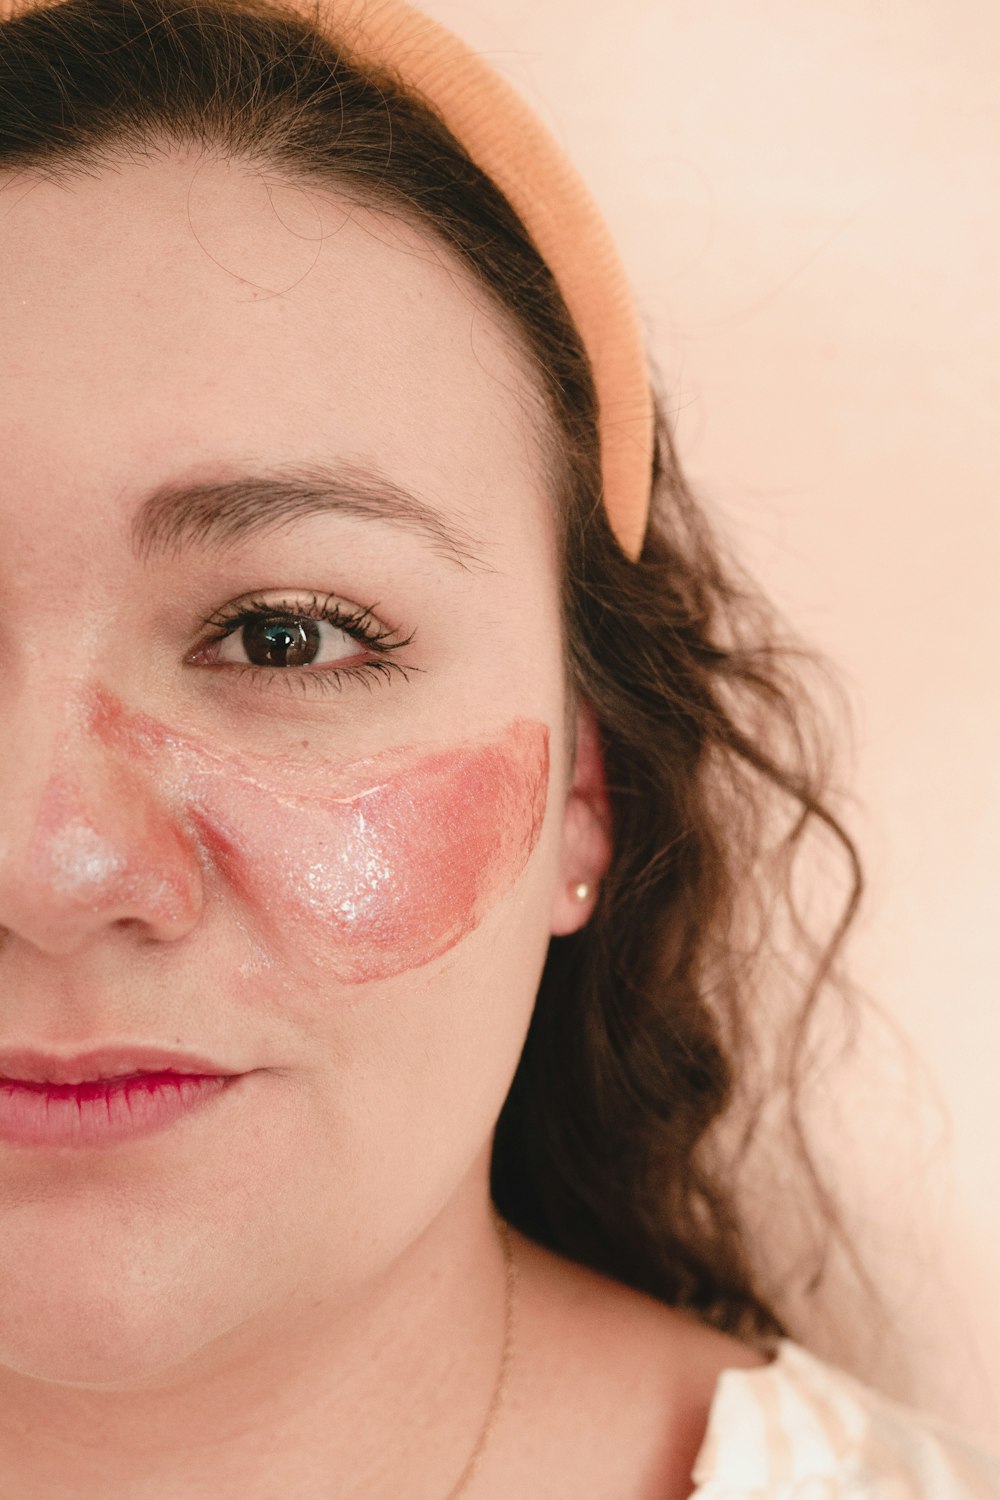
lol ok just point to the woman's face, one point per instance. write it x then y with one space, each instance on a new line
227 824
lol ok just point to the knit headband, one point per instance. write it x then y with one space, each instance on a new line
508 141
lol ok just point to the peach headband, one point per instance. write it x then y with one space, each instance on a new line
510 143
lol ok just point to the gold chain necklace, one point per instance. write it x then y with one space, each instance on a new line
469 1472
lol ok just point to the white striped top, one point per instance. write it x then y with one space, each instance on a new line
801 1429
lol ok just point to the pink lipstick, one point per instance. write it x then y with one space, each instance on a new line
102 1112
98 1097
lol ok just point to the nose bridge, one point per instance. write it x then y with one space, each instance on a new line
89 834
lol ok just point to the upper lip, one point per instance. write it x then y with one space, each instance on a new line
27 1065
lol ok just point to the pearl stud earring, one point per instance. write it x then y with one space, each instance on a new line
581 891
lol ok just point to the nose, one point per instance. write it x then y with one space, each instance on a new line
90 840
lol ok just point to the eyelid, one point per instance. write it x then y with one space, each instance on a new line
307 603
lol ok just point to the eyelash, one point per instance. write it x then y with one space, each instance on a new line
357 623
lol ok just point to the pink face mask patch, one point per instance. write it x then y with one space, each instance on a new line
370 868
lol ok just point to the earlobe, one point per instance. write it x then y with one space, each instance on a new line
586 839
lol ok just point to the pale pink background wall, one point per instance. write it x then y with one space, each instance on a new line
807 196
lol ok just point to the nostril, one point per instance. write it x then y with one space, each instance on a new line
136 927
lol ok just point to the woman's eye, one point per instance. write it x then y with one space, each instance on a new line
320 644
285 641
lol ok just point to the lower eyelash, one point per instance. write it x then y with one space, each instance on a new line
322 680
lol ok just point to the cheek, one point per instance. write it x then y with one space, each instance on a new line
389 876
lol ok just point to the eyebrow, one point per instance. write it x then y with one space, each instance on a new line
175 517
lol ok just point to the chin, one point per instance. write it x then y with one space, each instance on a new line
98 1321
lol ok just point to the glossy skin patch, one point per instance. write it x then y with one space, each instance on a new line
376 866
133 855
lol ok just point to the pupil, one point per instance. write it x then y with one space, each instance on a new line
281 642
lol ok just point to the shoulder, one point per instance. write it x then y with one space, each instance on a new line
618 1394
613 1387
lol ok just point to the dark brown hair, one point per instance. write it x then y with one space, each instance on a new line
655 1049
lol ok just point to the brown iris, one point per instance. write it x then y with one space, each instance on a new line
281 640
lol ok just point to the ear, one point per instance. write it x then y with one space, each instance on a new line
586 833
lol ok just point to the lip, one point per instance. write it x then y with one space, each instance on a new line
103 1113
28 1065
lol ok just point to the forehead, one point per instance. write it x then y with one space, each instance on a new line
162 317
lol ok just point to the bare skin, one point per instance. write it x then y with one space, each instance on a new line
301 1294
616 1388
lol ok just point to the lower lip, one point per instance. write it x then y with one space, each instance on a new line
103 1112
